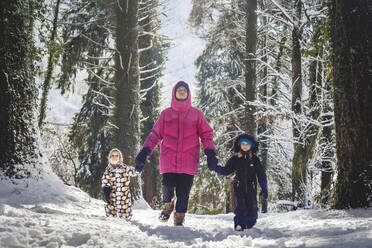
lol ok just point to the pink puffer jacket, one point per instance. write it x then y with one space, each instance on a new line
179 128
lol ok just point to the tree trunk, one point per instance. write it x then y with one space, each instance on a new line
278 65
304 152
298 170
126 116
327 138
17 88
149 59
49 73
250 65
326 174
351 38
263 127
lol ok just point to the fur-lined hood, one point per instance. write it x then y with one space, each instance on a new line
254 147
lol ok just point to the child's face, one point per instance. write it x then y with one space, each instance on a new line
114 158
245 146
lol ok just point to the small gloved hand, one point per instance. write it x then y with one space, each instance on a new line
212 160
218 169
264 191
106 193
141 158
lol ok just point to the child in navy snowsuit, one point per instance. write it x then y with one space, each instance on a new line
115 185
248 169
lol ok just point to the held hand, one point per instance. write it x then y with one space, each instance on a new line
218 169
139 168
212 163
212 160
141 158
264 191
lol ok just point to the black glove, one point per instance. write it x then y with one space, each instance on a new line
106 193
212 160
141 158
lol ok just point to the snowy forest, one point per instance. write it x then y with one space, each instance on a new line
78 78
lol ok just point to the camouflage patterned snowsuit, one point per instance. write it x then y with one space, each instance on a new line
118 180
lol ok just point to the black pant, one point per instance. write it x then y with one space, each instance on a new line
182 183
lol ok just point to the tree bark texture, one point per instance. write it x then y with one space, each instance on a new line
327 138
298 168
263 127
149 59
17 88
250 65
126 116
351 38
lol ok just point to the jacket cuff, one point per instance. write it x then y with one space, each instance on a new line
263 185
209 152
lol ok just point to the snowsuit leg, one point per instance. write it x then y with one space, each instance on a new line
123 203
110 210
245 210
126 208
182 183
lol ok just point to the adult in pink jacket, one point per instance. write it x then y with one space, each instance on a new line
179 129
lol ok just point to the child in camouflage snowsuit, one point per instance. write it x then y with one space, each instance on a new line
115 184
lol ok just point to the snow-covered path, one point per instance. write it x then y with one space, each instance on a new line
49 214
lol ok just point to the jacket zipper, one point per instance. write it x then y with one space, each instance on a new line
178 136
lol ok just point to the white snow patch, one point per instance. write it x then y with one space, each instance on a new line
47 213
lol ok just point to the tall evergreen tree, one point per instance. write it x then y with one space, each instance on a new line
262 128
52 47
90 134
152 48
250 9
87 38
126 113
221 81
288 30
17 87
351 38
299 170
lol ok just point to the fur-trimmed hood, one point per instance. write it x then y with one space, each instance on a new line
254 147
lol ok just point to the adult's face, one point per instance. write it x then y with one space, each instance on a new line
181 93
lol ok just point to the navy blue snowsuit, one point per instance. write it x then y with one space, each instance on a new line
247 171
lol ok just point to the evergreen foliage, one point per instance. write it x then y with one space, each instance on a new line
87 39
223 91
153 48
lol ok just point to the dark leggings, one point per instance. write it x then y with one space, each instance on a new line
182 183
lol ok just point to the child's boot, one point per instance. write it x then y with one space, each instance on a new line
166 212
179 218
239 228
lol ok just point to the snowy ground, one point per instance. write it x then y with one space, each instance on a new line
50 214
